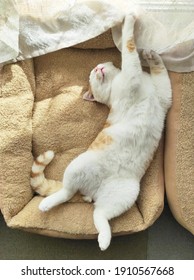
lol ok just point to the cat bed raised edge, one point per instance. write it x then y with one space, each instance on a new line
42 108
179 151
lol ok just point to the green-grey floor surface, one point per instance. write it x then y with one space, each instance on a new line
166 240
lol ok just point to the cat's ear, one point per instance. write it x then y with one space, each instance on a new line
88 95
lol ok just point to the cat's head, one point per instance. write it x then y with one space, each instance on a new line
100 80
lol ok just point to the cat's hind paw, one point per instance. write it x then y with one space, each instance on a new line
103 241
44 206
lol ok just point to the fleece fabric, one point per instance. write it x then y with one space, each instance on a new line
179 151
41 108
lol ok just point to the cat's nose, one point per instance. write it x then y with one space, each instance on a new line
99 70
100 67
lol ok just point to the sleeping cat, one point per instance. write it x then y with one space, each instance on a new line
109 172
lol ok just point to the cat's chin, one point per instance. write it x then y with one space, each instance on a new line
88 96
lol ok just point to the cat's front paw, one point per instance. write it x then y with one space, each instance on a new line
151 57
45 206
131 17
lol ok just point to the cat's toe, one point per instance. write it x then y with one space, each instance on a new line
103 241
146 54
155 56
150 55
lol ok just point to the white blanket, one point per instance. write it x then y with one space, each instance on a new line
30 28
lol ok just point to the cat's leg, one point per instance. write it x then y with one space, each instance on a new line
130 66
70 187
113 198
159 75
55 199
81 174
101 222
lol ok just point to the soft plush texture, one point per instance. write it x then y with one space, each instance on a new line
41 108
179 151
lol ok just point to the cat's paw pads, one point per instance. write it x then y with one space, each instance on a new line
103 241
44 206
151 56
147 54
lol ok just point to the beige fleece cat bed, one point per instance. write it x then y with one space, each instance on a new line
179 151
41 108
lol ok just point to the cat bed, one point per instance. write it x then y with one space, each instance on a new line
42 109
179 151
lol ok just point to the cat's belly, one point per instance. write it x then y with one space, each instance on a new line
91 168
127 160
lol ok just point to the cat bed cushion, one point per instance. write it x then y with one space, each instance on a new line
41 108
179 151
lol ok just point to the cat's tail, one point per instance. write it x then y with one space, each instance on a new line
38 182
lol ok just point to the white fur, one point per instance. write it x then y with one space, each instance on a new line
111 176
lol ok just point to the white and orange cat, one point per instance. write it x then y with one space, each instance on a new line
109 172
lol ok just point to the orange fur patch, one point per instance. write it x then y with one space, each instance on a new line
131 45
33 175
101 141
107 124
39 163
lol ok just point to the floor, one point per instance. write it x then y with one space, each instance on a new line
166 240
